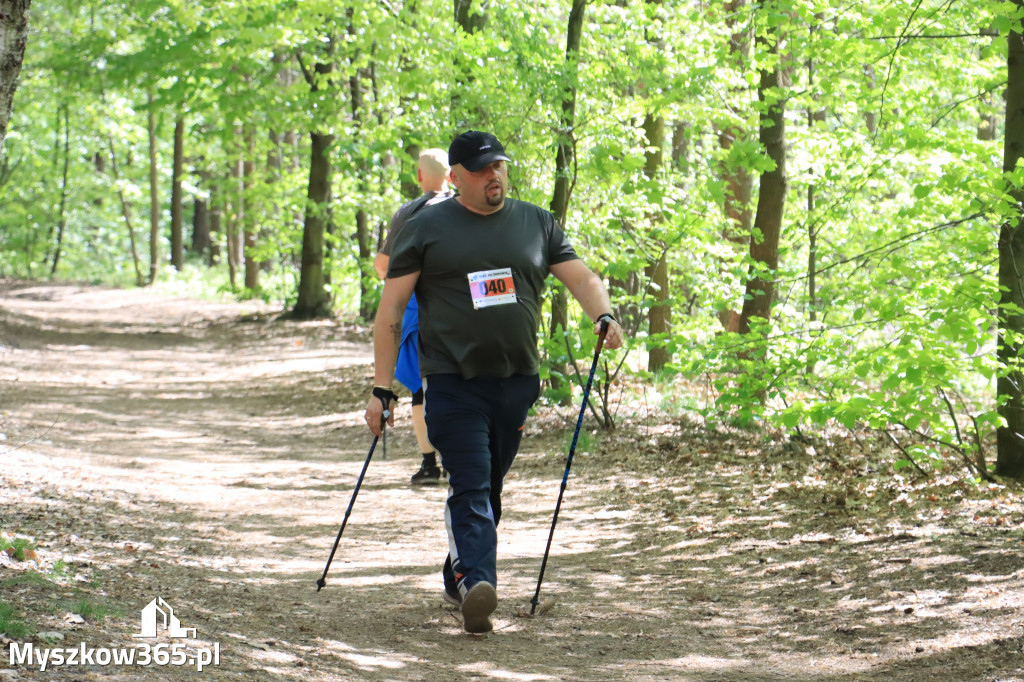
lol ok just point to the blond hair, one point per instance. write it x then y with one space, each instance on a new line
434 163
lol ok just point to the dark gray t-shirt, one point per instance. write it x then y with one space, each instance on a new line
405 211
480 284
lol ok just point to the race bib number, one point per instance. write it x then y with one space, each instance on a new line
492 287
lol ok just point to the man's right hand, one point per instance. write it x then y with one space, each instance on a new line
379 409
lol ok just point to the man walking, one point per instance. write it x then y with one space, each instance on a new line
432 175
478 265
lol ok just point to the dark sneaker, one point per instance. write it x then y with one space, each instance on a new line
452 596
427 475
451 592
477 607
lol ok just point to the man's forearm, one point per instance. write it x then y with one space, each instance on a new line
593 297
585 286
387 330
387 337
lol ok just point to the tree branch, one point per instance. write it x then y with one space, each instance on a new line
907 455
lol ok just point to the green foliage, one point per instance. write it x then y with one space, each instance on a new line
17 548
86 608
11 624
893 183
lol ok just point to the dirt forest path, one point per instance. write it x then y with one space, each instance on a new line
205 453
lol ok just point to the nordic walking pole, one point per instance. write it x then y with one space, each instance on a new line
568 464
323 579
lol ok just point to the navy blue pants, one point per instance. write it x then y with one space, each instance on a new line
476 425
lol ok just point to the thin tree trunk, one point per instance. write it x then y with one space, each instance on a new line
659 315
375 240
410 188
13 37
739 182
216 224
126 212
250 235
565 164
235 216
870 117
988 125
367 307
154 197
681 146
177 236
814 116
62 216
1010 384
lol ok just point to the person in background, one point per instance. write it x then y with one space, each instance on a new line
432 174
477 264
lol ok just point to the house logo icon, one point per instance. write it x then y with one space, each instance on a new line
171 624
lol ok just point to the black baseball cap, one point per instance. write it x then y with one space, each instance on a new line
474 150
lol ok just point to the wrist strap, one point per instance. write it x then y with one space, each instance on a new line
385 396
605 316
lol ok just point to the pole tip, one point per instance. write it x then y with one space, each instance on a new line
320 583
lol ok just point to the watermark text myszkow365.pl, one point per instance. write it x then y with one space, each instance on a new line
158 613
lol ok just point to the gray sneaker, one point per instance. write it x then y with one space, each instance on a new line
477 607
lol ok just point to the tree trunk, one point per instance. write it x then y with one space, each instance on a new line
235 216
410 188
216 225
681 146
1010 384
659 315
154 197
871 117
471 22
367 307
313 298
249 229
364 237
814 116
739 182
126 212
177 238
771 201
202 240
13 36
470 17
62 215
988 125
565 157
201 229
